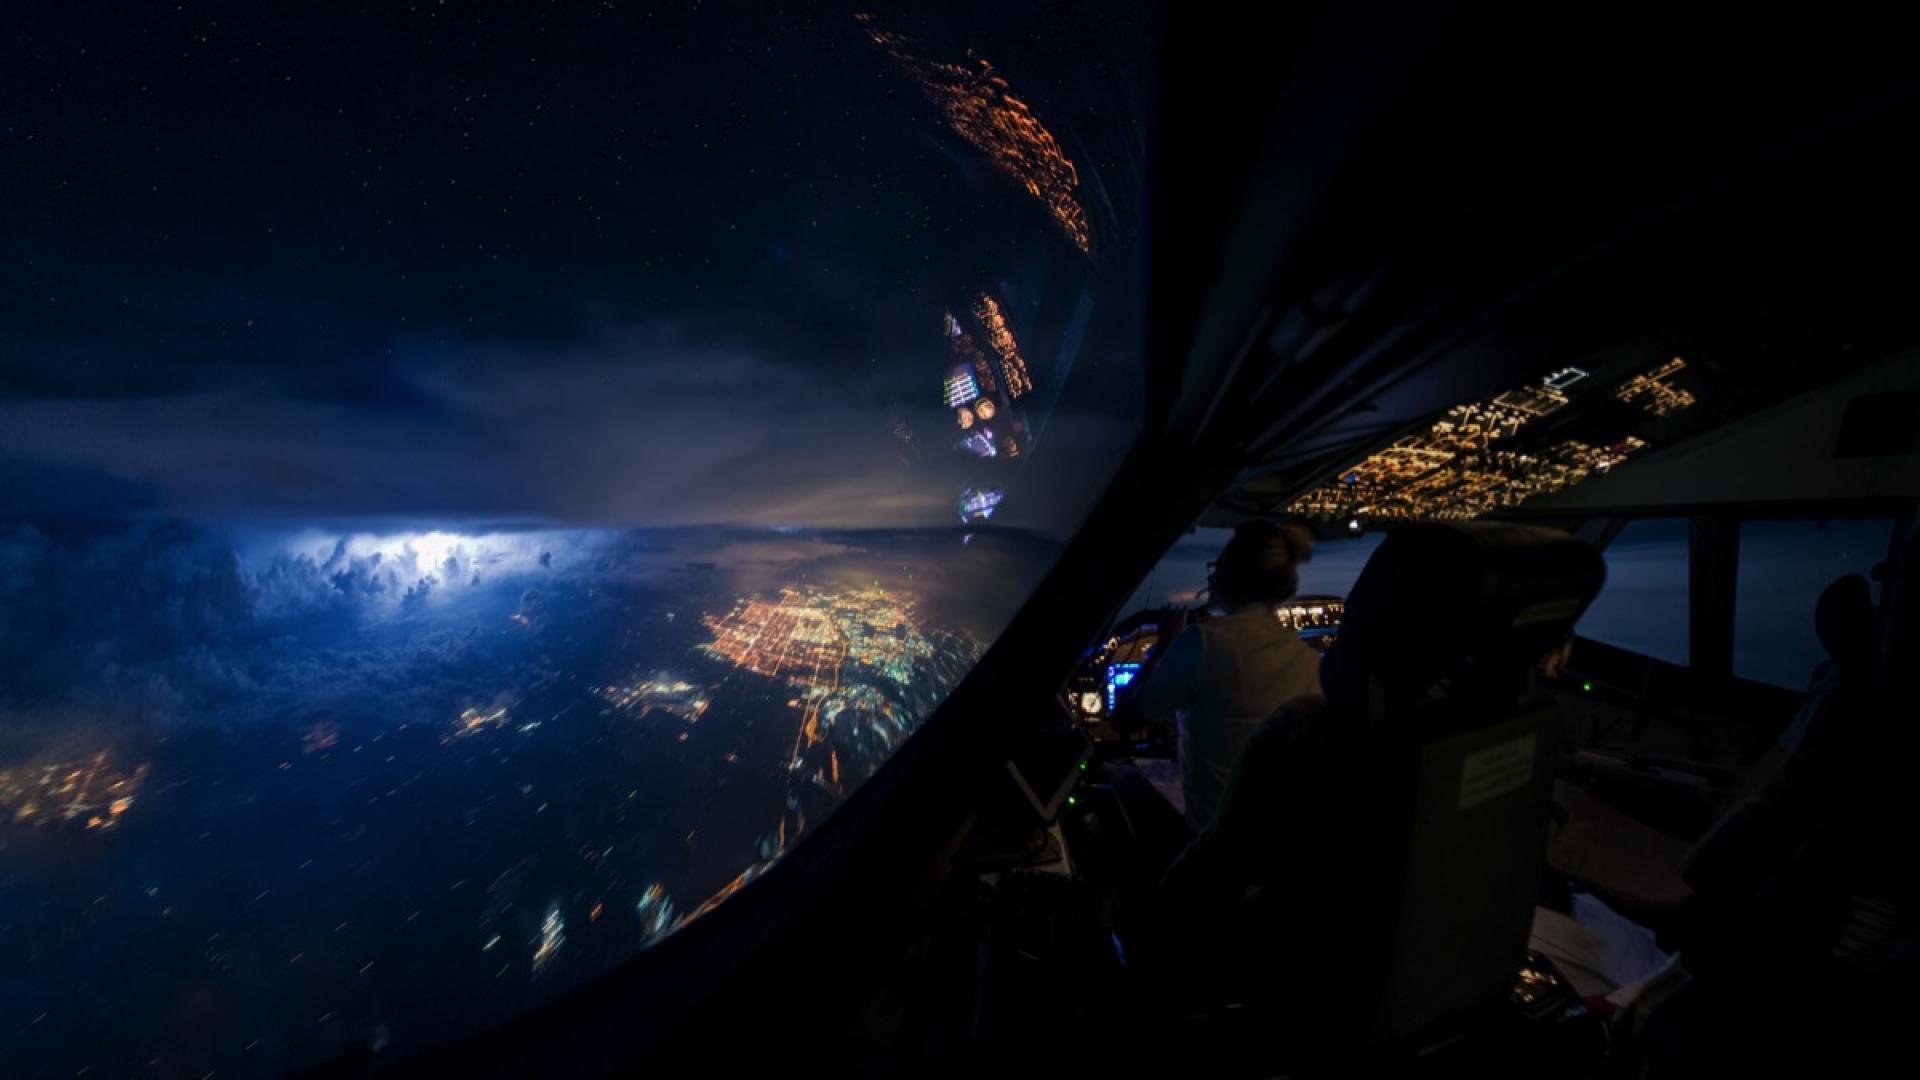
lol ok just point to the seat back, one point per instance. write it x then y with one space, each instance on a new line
1376 862
1475 857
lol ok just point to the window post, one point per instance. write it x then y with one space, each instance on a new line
1713 556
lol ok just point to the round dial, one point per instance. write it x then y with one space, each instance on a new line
1090 703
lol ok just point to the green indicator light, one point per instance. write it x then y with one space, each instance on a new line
1083 766
1073 800
1586 687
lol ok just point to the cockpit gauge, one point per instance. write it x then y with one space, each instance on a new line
1090 703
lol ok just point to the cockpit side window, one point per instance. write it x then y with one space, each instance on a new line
1643 606
1784 567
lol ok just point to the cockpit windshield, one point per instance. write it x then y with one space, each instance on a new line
481 488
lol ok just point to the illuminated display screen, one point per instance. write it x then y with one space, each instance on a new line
1119 676
978 504
961 388
980 443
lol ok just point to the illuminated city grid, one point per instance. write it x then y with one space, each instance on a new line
981 109
834 648
89 794
811 637
1462 466
1655 391
658 693
1013 366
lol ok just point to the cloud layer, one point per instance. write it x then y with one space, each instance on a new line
638 427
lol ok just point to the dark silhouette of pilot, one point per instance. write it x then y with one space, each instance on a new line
1221 679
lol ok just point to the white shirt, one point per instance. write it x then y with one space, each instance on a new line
1220 680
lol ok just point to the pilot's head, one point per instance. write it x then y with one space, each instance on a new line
1260 565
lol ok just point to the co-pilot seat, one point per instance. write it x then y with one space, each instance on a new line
1375 864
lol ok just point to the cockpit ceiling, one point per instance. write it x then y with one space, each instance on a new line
1492 454
1521 447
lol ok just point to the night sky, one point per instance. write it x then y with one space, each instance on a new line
580 263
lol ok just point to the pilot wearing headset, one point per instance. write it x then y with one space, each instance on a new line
1221 678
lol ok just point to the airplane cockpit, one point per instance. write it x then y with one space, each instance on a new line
1590 389
1104 681
1438 517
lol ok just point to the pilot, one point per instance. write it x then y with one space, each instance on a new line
1221 678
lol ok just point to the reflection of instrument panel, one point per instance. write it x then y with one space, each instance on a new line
1110 674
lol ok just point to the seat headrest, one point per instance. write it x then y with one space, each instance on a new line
1845 622
1472 601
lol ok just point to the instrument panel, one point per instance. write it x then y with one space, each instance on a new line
1316 618
1111 672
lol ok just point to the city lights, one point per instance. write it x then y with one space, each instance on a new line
658 693
475 721
88 794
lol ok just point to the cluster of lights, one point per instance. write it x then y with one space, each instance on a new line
1000 337
553 935
1308 616
90 793
1466 463
981 109
475 721
970 355
655 909
980 444
961 388
1655 392
810 637
978 504
658 693
981 410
